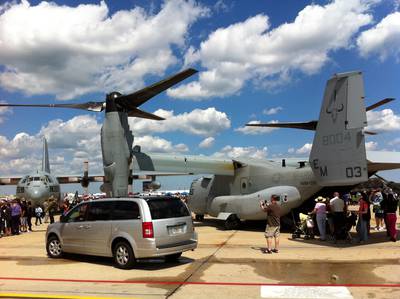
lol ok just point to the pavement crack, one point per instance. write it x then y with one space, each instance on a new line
201 265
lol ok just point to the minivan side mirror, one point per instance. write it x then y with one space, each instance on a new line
63 218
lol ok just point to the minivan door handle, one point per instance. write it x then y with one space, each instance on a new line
87 226
80 227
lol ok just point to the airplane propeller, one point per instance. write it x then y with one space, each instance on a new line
116 101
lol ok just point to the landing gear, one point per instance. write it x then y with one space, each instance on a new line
232 222
199 217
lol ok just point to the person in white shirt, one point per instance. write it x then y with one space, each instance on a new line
338 208
38 214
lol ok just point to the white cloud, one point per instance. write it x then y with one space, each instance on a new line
245 152
70 143
206 143
204 122
305 149
251 50
159 145
256 130
383 120
272 111
70 51
371 145
383 39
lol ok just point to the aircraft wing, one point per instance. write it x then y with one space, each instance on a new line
380 160
9 181
163 164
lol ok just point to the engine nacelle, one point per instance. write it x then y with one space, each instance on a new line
198 195
248 206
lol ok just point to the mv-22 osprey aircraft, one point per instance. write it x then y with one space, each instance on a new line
338 158
40 185
116 137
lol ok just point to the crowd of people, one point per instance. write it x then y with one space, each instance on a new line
16 215
338 214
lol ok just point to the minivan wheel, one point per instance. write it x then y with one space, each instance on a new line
173 257
53 247
123 255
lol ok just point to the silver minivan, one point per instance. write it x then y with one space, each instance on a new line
125 229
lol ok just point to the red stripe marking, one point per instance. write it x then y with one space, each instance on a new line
199 282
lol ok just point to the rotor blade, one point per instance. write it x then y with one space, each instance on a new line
139 97
311 125
380 103
135 112
370 133
91 106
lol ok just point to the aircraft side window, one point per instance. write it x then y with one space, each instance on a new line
77 214
99 211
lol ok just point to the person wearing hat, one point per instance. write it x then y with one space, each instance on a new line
320 212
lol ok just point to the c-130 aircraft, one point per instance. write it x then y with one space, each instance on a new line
338 158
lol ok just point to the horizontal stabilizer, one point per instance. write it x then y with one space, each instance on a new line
311 125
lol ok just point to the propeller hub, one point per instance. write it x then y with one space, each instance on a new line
111 106
114 95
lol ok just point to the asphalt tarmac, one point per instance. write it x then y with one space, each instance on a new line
226 264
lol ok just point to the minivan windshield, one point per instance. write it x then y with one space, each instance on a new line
167 207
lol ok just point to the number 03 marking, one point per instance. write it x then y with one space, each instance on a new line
353 172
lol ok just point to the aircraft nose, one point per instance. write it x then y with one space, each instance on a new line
36 195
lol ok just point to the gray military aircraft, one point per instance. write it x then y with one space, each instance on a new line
41 185
338 158
116 137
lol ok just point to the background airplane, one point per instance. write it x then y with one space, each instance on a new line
338 158
40 185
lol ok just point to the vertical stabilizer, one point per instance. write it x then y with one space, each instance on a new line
338 154
45 158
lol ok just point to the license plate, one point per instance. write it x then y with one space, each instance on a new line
175 230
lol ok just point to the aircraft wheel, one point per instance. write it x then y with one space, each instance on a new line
123 255
173 257
294 236
233 222
199 217
53 247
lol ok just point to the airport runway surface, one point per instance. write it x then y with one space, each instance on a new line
226 264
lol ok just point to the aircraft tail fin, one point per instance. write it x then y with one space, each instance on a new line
45 158
338 155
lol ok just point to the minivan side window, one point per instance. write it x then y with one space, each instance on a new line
125 210
99 211
77 214
162 208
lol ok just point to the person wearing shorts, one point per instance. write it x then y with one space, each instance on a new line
272 229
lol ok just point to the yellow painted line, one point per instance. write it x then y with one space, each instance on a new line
49 296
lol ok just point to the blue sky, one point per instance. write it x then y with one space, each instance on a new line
257 61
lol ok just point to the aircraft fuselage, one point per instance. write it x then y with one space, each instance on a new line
241 193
